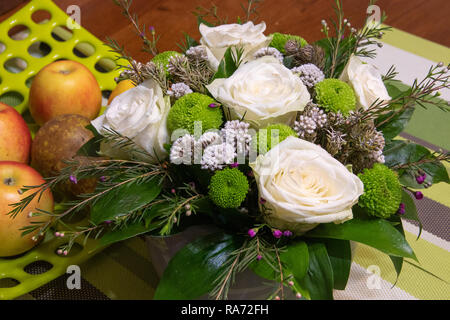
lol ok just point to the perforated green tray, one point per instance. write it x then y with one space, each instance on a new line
23 55
36 45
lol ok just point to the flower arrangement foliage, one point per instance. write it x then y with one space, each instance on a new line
289 149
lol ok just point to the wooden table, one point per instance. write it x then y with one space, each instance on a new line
425 18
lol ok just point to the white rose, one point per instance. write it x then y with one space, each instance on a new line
141 115
366 82
247 36
303 185
261 92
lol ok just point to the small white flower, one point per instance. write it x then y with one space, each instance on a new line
217 156
182 151
237 134
310 74
177 90
198 52
269 51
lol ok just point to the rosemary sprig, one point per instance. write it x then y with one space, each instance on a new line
251 9
149 45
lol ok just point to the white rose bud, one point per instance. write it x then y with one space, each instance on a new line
303 186
262 92
366 82
139 114
248 36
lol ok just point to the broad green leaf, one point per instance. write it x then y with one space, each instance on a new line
340 254
399 153
192 271
377 233
264 270
296 259
124 199
319 278
411 210
127 232
227 66
395 126
397 261
397 89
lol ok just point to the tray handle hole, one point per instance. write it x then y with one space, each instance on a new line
19 32
84 50
15 65
6 283
38 267
39 49
41 16
12 98
62 33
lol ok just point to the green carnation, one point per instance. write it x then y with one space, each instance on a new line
228 188
382 191
335 95
163 59
279 41
191 108
276 133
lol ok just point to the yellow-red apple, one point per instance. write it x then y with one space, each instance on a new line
64 87
15 137
13 177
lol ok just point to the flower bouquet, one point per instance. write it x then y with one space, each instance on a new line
287 149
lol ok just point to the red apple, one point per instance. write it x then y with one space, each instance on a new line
64 87
13 177
15 137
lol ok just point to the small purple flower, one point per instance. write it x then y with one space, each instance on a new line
418 195
277 234
213 105
420 179
401 209
173 191
250 174
73 179
234 165
108 222
288 233
262 201
259 257
102 179
252 233
152 29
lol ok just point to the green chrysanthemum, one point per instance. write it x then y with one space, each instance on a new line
382 191
273 135
279 41
191 108
163 59
228 188
335 95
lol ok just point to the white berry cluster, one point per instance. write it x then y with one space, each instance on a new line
213 150
197 53
313 118
177 90
310 74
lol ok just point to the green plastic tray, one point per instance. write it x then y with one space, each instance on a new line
36 45
22 55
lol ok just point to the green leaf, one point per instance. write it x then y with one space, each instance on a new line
124 199
397 89
377 233
340 254
91 147
394 126
411 210
319 278
227 66
264 270
397 261
127 232
192 271
296 259
398 153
